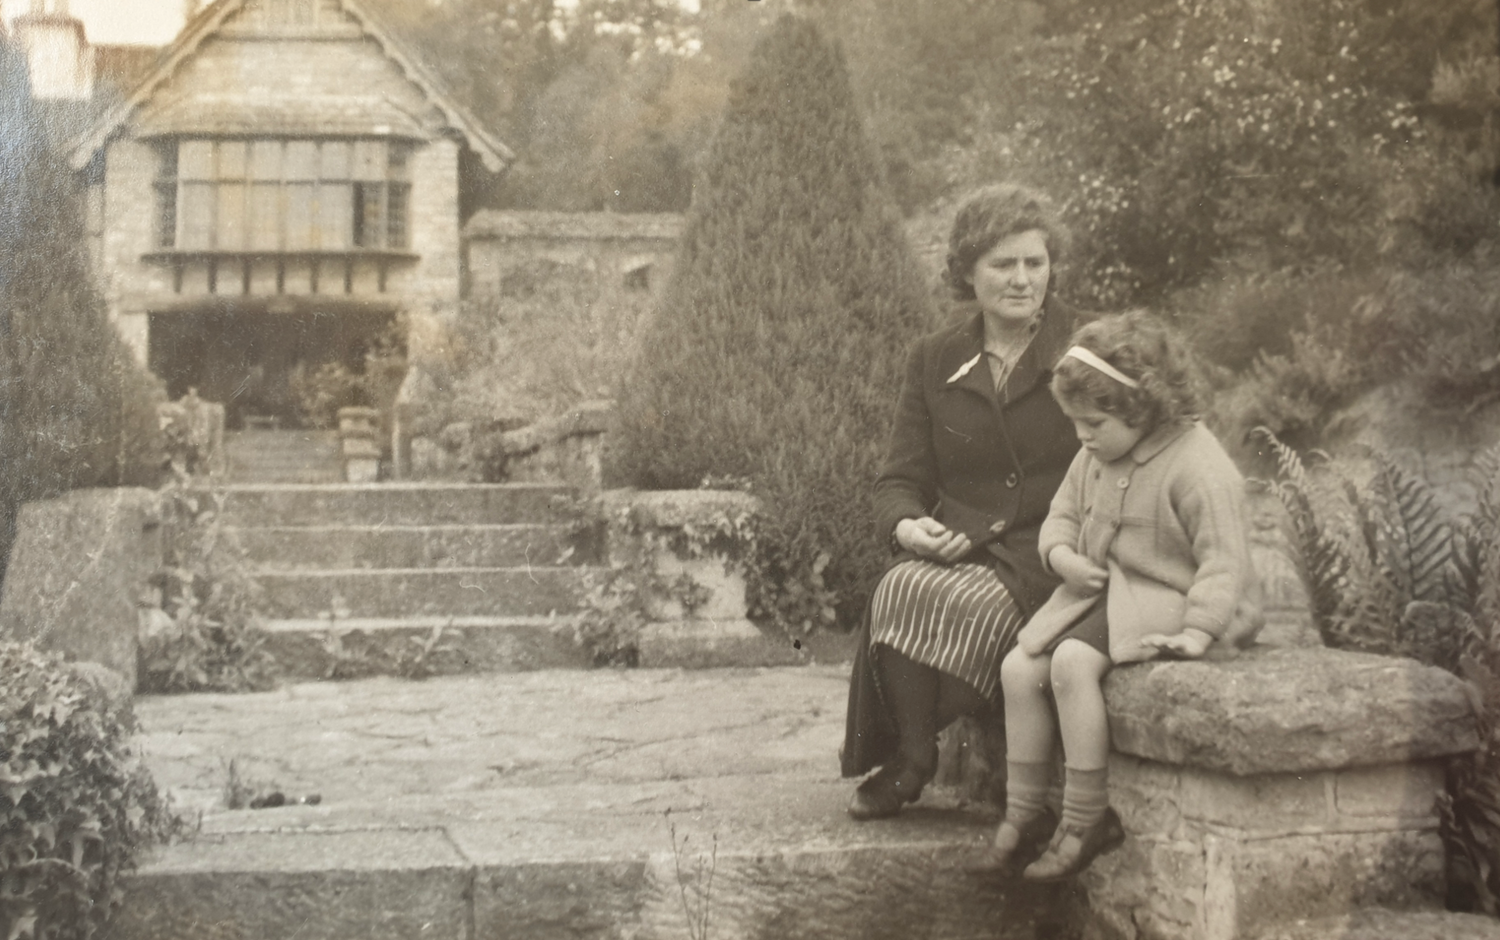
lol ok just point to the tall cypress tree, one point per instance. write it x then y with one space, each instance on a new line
75 409
776 352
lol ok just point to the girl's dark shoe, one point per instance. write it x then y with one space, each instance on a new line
884 792
1014 847
1073 849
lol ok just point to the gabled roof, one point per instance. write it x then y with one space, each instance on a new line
494 154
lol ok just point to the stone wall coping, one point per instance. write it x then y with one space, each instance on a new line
591 417
1273 710
523 223
667 509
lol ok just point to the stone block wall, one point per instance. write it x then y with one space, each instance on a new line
1278 786
77 569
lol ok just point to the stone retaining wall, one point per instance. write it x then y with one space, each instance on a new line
1279 786
79 564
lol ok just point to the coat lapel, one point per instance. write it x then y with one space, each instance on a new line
964 353
962 364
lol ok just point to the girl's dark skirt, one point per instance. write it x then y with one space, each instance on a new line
1091 627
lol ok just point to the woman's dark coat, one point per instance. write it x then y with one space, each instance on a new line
984 463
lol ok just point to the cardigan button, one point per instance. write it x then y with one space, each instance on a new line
1124 483
1012 481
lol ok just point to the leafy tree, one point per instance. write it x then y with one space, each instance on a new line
586 94
75 409
776 351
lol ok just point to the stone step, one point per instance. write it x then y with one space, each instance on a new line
607 804
403 546
411 592
391 504
293 456
418 647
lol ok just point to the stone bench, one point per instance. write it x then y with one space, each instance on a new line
1278 786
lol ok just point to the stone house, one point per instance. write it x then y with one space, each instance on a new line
282 183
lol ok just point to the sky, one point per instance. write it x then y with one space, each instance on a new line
149 22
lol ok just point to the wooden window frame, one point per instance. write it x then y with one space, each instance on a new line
334 194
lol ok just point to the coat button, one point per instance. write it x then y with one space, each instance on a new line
1012 481
1124 483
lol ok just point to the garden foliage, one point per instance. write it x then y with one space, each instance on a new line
75 408
775 353
550 340
1391 573
76 804
204 634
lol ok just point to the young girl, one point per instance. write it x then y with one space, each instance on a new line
1148 533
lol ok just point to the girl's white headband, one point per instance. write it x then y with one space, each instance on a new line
1090 358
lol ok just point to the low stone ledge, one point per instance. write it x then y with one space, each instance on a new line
1281 786
666 509
1381 924
1289 710
77 568
568 448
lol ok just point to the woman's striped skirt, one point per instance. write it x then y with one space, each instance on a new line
958 619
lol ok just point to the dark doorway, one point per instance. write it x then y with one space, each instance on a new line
246 359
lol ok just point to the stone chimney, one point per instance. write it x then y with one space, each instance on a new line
58 54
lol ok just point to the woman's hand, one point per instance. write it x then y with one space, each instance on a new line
1189 644
1080 574
928 538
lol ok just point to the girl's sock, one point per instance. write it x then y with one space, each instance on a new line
1085 797
1025 791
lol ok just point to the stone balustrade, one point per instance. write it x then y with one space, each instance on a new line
568 448
1275 787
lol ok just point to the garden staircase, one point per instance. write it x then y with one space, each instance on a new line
528 798
411 578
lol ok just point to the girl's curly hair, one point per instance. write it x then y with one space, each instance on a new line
1144 348
992 214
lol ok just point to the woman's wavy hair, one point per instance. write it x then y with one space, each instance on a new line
994 213
1145 349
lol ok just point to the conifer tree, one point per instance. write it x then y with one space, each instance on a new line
775 353
75 409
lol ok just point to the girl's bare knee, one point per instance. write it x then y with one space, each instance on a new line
1075 663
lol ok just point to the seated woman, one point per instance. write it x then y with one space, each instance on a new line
977 450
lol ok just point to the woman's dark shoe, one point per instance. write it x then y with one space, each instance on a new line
884 792
1014 847
1073 849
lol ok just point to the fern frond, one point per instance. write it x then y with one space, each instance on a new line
1422 538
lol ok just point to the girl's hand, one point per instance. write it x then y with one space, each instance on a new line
928 538
1080 574
1189 644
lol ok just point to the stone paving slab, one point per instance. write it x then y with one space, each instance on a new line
535 805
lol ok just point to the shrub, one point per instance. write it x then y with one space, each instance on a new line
775 353
76 409
1390 573
204 633
76 803
548 342
1292 351
322 390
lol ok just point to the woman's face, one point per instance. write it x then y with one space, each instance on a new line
1010 280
